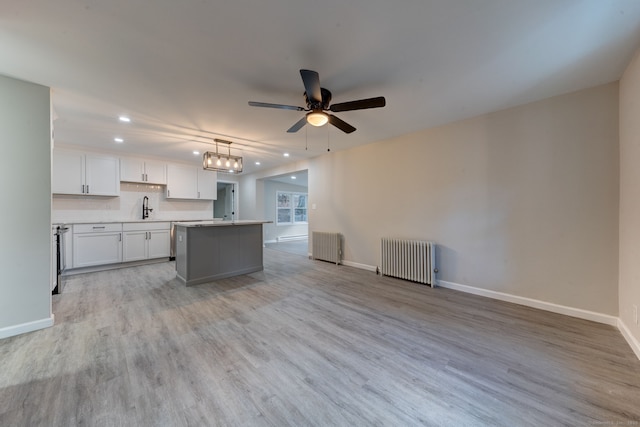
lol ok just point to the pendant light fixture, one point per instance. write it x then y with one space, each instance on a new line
221 162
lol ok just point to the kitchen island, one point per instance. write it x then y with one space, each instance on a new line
212 250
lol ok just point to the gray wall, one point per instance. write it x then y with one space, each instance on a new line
25 186
629 286
522 201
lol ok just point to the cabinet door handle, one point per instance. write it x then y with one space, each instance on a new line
120 237
87 188
168 193
142 177
82 188
198 194
97 228
146 177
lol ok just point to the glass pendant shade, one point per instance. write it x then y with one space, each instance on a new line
317 118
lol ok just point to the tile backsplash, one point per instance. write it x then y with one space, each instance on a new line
128 207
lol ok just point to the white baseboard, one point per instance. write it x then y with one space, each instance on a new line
529 302
292 238
371 268
23 328
626 333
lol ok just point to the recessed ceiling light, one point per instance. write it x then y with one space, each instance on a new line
118 140
195 153
124 119
258 163
293 177
286 154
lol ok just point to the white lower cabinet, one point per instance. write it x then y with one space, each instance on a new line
113 243
159 244
145 241
134 245
97 244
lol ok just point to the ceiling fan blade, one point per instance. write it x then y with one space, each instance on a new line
360 104
311 82
341 124
299 124
282 107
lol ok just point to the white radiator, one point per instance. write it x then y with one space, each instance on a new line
326 246
410 260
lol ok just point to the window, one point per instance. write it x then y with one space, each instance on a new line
291 208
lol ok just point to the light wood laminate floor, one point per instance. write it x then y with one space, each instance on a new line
308 343
296 247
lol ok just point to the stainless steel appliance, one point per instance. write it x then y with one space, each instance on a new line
61 263
172 242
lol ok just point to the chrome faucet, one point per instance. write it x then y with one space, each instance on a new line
145 207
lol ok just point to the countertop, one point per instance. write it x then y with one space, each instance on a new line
220 223
136 221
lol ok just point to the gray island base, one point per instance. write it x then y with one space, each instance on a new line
212 250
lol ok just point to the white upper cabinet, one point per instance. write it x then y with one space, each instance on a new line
139 170
182 182
68 172
191 182
102 175
155 172
75 172
207 184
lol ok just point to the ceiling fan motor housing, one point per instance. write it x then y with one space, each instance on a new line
324 105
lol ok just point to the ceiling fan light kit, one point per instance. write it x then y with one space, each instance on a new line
221 162
317 118
318 99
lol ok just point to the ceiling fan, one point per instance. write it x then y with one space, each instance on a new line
318 101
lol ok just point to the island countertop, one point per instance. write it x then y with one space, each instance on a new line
219 223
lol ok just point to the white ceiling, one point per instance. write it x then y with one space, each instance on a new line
184 70
300 178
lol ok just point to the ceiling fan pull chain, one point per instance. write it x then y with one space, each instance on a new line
328 147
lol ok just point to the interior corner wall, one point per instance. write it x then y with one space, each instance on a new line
629 284
25 185
522 201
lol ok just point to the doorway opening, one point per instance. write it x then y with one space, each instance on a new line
224 207
285 205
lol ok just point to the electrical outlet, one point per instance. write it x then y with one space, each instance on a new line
635 314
